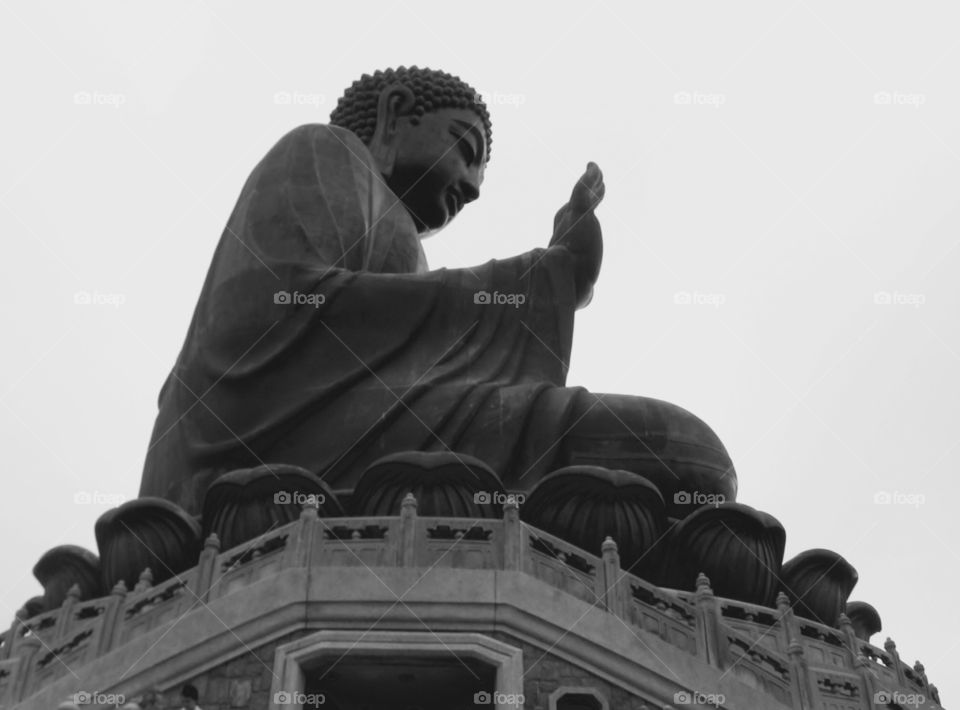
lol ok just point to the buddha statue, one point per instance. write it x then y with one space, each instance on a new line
323 340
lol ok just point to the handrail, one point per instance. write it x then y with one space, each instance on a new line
723 632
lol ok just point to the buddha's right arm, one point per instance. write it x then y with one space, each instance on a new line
364 318
546 278
586 269
584 242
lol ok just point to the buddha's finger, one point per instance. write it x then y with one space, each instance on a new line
580 200
582 197
595 193
561 213
594 178
594 175
601 190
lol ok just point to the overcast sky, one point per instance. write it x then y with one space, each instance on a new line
780 223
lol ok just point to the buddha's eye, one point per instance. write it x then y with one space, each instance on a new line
466 149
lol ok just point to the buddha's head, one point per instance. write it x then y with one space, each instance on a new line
429 134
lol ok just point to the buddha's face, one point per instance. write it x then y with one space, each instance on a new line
439 165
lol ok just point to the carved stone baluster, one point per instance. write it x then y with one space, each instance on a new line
922 674
206 567
858 661
408 531
802 688
862 664
613 580
303 538
850 638
145 581
890 647
934 693
27 651
66 612
512 536
13 634
112 618
752 631
711 642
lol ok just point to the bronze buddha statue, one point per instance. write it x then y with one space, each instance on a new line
321 338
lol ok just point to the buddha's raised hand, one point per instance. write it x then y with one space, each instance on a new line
576 227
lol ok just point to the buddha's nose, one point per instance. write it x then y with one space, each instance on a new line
470 190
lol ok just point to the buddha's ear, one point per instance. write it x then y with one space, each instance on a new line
395 102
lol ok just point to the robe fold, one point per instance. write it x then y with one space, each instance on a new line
320 338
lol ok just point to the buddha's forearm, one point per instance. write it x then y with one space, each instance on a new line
585 272
534 278
582 238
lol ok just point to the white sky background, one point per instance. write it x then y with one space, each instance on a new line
783 189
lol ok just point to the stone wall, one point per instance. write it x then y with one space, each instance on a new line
243 682
544 673
246 681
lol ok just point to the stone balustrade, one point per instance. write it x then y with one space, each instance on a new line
800 663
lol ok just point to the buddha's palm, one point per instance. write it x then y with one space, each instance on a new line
576 227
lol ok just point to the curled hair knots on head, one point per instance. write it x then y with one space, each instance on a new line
432 90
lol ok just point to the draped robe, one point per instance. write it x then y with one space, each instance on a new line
321 339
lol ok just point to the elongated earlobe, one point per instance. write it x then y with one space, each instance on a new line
396 101
385 156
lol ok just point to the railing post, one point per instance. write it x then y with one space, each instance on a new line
859 661
613 579
112 620
890 647
922 673
27 653
206 567
850 637
408 531
512 535
12 636
710 643
144 582
66 611
862 664
934 693
300 545
799 669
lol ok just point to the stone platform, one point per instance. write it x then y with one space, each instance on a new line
549 621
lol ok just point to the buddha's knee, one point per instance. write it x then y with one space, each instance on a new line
666 443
